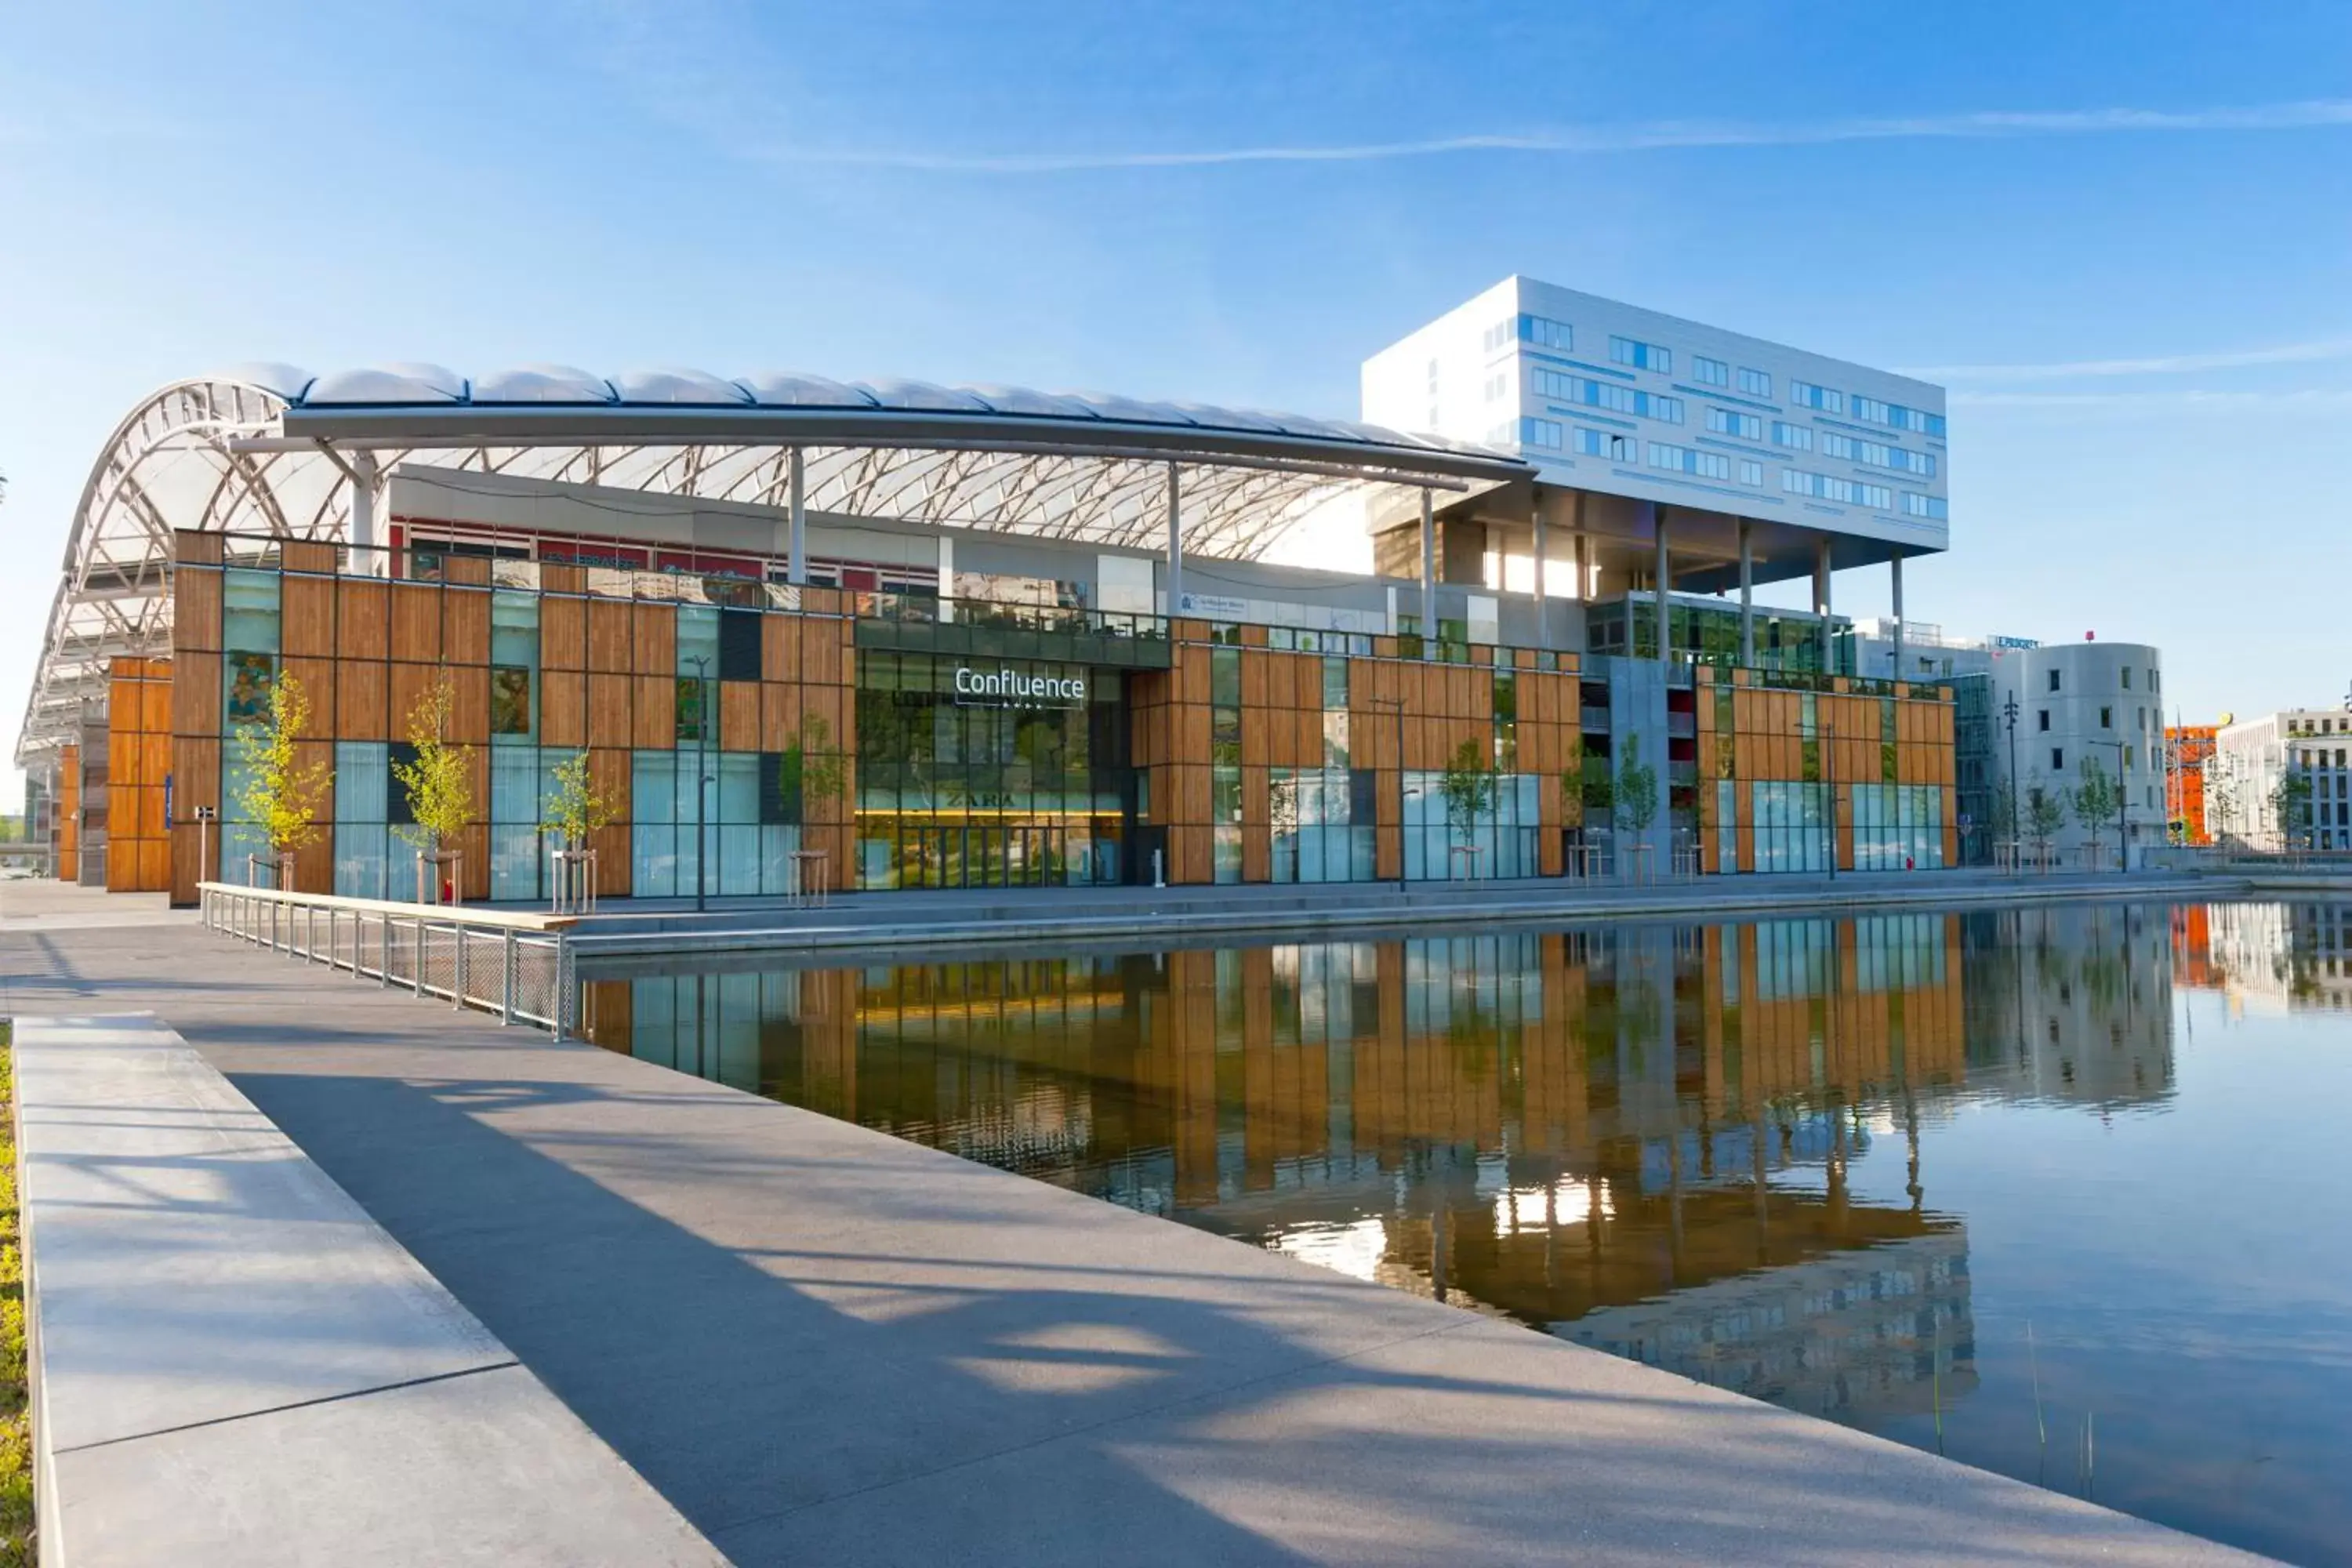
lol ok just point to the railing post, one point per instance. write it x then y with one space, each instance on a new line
507 982
384 955
419 965
558 1006
457 967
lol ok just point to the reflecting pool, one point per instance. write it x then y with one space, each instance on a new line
2059 1192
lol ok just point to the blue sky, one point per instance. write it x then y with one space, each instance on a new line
2119 233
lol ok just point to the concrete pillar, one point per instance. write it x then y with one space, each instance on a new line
1543 620
1747 594
1664 580
1175 544
1428 577
799 572
1896 567
1583 559
1821 596
361 534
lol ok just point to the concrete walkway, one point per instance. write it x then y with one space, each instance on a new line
232 1363
1029 915
826 1345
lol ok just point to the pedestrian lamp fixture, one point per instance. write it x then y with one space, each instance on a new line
2009 711
701 663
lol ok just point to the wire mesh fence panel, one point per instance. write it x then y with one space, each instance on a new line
440 960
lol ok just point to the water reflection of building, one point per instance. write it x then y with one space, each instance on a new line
2071 1002
1544 1125
2293 954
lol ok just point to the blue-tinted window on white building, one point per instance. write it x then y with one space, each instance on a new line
1755 382
1710 372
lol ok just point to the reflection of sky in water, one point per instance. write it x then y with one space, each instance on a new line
1844 1165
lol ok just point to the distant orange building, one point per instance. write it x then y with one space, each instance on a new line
2184 786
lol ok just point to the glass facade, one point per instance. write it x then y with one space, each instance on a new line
1705 635
985 772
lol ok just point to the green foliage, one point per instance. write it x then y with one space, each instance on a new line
814 773
2099 800
2045 813
16 1545
1592 782
2291 805
575 810
1468 784
1637 789
282 794
438 784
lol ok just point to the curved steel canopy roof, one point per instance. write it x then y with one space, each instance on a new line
261 450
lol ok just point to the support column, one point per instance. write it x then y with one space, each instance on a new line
1175 545
1822 597
361 534
799 573
1664 577
1428 577
1895 566
1583 559
1543 619
1747 594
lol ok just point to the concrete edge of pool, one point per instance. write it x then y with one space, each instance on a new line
820 1343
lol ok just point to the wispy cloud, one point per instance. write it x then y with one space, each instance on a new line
2318 349
1651 136
2181 398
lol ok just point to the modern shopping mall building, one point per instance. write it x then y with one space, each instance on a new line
904 636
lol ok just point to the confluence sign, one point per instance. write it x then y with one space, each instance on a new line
1006 688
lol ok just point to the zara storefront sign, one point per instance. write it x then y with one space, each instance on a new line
1007 688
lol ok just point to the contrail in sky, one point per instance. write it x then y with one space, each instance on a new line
1658 135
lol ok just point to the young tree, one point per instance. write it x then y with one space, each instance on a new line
280 795
438 783
2097 801
815 774
1468 785
2290 805
1637 789
573 813
2045 813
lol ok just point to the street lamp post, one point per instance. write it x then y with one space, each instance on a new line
2009 711
701 663
2123 806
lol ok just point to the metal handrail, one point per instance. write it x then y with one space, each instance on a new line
518 965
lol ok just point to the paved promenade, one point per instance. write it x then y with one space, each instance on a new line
825 1345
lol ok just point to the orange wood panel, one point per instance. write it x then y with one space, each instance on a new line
469 701
195 694
654 722
562 577
562 633
780 716
360 700
469 571
1254 677
466 625
416 622
363 619
563 708
197 610
194 546
780 648
653 640
306 616
308 556
608 635
317 678
739 715
412 685
608 711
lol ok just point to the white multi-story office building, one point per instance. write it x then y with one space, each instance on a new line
2254 758
1737 459
2074 706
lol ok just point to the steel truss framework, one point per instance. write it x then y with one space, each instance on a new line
269 455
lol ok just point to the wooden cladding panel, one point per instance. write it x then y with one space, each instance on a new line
417 622
780 649
562 633
197 610
739 715
470 703
195 694
308 556
653 640
306 616
556 577
655 725
780 716
608 711
194 547
563 708
361 700
363 619
608 635
410 686
466 625
317 678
